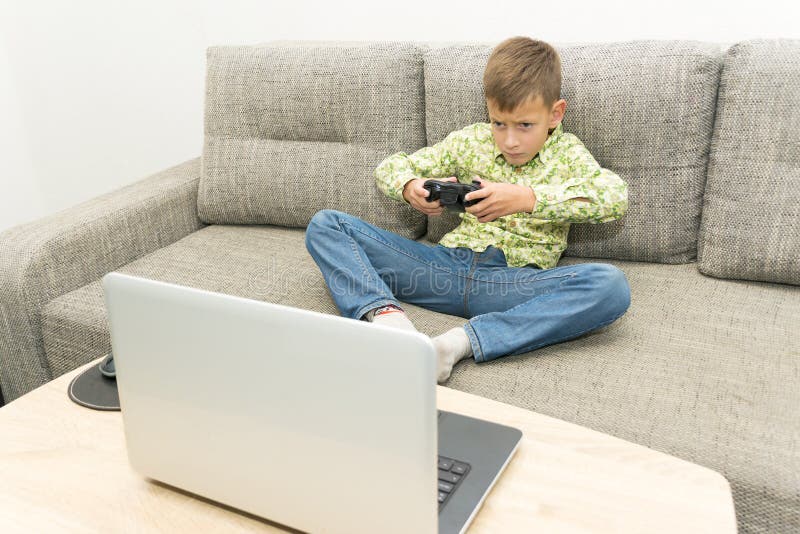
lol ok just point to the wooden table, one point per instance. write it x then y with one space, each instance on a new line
64 468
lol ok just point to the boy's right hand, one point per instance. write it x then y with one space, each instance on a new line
417 196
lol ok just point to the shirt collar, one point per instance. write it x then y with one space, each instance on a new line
544 152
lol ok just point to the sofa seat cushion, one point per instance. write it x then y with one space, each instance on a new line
705 369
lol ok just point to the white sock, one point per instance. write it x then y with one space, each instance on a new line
390 315
451 347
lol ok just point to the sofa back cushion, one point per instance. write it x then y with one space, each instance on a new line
751 214
644 109
293 127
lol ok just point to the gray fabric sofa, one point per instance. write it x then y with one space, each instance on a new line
705 365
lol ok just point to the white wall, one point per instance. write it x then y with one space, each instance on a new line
97 94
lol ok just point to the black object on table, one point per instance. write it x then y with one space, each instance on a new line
96 387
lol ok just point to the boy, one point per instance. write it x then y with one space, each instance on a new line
498 267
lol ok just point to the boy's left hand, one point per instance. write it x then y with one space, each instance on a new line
497 199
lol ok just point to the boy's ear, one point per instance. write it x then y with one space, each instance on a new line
557 112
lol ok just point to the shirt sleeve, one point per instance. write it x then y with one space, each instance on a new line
437 161
606 192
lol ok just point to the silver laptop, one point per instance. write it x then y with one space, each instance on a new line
315 421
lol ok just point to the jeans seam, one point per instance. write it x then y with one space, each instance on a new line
467 286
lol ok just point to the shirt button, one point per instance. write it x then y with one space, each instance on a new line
518 169
512 223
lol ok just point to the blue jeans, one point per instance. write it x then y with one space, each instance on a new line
511 310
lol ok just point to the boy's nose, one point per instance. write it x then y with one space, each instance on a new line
511 143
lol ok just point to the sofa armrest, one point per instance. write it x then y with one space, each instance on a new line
47 258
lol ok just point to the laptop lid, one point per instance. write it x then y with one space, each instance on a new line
315 421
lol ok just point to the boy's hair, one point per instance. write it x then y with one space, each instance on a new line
521 68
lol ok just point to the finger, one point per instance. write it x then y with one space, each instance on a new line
487 215
475 195
482 208
475 210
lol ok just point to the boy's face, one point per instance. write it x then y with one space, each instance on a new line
521 133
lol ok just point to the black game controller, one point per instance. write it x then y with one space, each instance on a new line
451 194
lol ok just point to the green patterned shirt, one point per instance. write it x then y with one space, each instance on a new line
560 173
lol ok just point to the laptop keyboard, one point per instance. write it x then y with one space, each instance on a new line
451 473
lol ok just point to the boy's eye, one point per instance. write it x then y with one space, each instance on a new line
523 124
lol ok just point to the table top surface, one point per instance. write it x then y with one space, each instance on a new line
65 468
